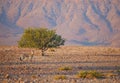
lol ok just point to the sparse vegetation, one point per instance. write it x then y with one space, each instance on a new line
89 74
58 77
46 69
66 68
82 74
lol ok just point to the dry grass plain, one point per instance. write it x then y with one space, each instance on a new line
44 69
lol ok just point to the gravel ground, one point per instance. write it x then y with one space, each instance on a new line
43 69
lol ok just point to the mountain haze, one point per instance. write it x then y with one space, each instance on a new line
80 22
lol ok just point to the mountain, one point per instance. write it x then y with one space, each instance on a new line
80 22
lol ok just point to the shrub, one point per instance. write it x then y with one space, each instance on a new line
96 74
66 68
82 74
58 77
89 74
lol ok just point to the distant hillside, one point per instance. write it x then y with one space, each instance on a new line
80 22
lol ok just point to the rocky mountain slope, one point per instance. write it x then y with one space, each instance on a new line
81 22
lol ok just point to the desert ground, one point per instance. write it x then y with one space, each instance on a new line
44 69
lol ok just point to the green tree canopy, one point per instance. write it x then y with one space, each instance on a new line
41 38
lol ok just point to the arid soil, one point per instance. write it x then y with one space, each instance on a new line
43 69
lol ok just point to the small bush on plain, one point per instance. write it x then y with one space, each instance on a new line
58 77
66 68
89 74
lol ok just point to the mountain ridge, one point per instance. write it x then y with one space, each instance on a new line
80 22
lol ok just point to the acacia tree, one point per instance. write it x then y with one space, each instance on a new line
41 38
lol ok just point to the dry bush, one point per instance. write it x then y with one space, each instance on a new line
58 77
66 68
89 74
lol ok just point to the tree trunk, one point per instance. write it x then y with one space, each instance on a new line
43 53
